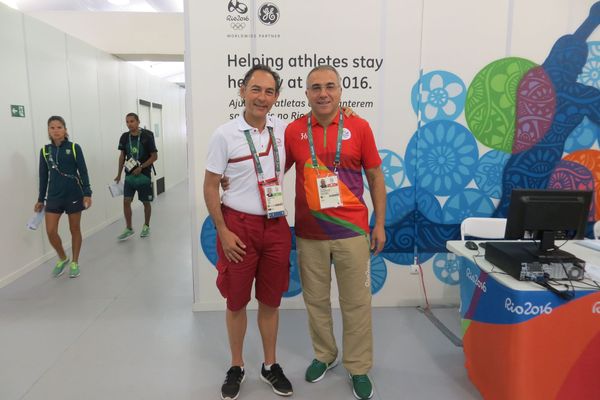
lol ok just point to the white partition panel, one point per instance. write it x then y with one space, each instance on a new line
85 123
111 127
48 84
18 156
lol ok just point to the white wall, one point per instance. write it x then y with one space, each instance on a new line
52 73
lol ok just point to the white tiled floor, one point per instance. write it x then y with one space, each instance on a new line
125 330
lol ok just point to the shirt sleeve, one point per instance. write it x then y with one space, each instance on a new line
123 143
43 172
370 154
83 172
217 157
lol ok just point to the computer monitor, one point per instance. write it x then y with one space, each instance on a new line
546 214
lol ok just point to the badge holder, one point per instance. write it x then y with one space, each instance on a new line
131 164
271 194
328 187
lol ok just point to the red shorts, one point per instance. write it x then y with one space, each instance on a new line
268 245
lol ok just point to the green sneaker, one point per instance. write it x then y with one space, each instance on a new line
317 369
145 231
59 268
74 270
361 387
126 233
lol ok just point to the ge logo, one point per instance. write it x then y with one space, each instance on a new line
268 14
238 26
596 308
235 5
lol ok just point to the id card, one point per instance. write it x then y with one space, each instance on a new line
131 164
329 191
273 195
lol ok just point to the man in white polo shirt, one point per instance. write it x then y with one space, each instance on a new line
253 236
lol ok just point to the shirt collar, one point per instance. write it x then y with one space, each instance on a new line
243 125
335 121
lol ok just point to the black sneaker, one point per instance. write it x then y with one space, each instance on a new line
275 377
231 387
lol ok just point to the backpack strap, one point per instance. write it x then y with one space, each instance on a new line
45 151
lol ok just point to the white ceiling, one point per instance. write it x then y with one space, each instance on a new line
172 71
96 5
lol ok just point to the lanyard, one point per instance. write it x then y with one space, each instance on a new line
137 154
338 148
256 158
54 165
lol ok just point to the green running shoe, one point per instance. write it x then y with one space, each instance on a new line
362 388
317 369
126 234
145 231
59 268
74 270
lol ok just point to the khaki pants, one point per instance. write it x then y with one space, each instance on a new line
351 258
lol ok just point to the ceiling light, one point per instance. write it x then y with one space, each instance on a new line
10 3
119 2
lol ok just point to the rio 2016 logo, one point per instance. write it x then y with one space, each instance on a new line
268 14
235 5
528 308
596 308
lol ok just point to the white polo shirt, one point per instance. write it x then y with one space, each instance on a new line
229 155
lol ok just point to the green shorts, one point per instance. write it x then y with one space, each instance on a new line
142 184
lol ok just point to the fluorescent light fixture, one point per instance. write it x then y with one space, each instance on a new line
10 3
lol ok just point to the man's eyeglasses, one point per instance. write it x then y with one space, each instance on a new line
330 87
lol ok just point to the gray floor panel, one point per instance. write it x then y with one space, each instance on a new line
125 330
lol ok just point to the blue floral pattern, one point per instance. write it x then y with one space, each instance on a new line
446 267
392 166
208 240
488 174
441 96
294 287
469 203
590 74
441 158
378 273
583 137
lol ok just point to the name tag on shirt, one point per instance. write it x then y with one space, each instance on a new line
329 191
273 195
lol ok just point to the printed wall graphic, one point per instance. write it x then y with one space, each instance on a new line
529 116
510 120
439 95
558 105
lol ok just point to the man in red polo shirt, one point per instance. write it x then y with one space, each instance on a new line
253 236
330 151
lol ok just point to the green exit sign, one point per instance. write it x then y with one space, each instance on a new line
17 111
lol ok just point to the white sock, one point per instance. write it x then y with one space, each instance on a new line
267 367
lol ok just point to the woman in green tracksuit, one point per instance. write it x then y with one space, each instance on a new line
64 187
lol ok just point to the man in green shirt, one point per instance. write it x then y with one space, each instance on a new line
138 153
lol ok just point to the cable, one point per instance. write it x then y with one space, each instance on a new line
423 285
563 294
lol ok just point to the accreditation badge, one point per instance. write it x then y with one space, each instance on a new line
273 195
329 191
